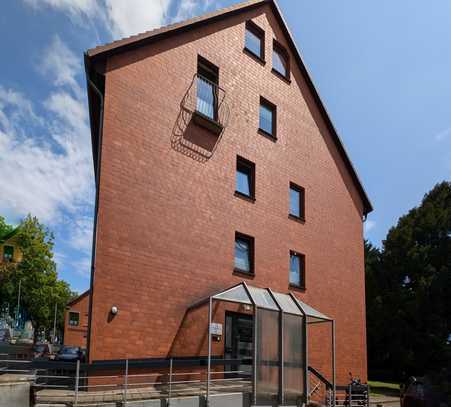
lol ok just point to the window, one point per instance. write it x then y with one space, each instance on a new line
244 253
297 269
254 41
74 318
297 201
207 86
8 253
245 178
267 118
280 61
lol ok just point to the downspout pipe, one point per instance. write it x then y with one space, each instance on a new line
100 95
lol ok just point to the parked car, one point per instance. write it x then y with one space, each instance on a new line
42 350
420 392
71 354
5 335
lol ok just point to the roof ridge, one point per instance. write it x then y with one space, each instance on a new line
171 26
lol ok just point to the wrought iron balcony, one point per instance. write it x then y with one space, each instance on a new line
206 102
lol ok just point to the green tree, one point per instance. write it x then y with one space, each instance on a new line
40 287
409 303
4 227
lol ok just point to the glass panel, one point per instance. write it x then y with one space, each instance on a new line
243 182
253 43
287 304
266 119
279 63
268 361
74 318
295 269
295 199
312 313
236 294
242 255
206 100
262 298
8 253
293 358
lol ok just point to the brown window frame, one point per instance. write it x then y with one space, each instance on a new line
5 259
69 318
281 50
258 32
244 165
251 242
302 263
271 106
301 191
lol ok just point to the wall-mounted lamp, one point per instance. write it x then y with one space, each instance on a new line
114 310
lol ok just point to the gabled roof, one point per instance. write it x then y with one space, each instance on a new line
104 51
8 235
77 299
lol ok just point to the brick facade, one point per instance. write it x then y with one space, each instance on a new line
77 335
167 218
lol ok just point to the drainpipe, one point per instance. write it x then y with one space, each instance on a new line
92 85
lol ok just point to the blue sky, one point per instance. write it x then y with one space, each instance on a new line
382 68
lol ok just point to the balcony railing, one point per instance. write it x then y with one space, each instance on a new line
206 101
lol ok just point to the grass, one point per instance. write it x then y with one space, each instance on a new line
383 389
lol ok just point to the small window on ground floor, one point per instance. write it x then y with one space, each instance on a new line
8 253
74 318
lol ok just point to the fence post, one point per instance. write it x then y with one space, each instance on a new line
170 383
77 379
126 382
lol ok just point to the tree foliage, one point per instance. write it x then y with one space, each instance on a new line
40 287
409 290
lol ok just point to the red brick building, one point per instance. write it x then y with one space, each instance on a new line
76 319
216 163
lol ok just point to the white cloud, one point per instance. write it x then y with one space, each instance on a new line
74 8
81 234
369 225
45 160
61 64
125 18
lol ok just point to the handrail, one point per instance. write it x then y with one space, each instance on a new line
320 377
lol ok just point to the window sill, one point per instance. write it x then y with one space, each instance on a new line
254 56
296 287
204 121
296 218
244 196
280 76
267 135
243 273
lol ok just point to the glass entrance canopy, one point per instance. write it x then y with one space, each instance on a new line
280 351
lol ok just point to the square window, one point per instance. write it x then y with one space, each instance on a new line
245 178
297 201
254 40
297 269
244 253
8 253
267 118
280 62
74 318
207 88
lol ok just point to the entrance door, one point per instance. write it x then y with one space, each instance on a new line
238 343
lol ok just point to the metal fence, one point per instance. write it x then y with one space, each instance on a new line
77 384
